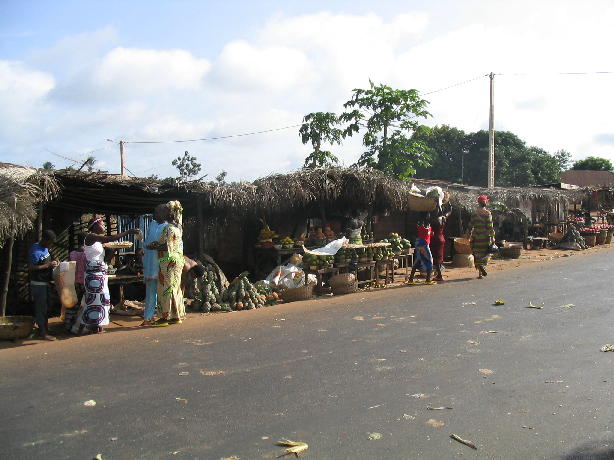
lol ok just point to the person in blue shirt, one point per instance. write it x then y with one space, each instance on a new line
40 267
151 265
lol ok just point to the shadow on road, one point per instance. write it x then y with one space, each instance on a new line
603 450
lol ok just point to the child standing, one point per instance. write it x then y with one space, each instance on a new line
423 256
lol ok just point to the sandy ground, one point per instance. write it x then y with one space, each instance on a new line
451 274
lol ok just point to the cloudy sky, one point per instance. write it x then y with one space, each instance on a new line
74 74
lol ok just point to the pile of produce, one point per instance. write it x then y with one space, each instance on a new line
264 289
572 237
209 287
312 260
241 295
397 244
287 243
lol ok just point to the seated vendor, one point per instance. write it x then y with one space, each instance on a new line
191 271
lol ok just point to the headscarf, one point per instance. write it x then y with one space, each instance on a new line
176 211
93 221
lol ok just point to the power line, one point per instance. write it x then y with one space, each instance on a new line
215 138
464 82
524 74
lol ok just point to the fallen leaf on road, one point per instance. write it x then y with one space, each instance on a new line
554 381
288 377
375 407
435 423
402 351
232 457
567 305
89 403
275 326
487 371
538 307
204 372
183 400
98 457
294 447
463 441
469 303
322 330
419 395
473 342
409 417
489 332
375 436
380 324
358 318
438 408
607 347
499 302
184 373
378 317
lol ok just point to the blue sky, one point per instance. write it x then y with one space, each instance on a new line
75 73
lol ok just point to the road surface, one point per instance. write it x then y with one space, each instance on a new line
352 376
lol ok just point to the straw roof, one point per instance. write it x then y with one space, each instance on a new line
21 191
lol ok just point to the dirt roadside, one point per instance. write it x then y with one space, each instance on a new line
527 258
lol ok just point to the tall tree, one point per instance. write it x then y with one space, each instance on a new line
48 166
448 148
593 164
388 117
320 127
187 166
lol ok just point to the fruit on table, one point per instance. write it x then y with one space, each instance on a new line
266 234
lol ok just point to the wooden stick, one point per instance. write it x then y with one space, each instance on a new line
7 275
463 441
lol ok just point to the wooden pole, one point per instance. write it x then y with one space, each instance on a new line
7 276
39 223
201 228
491 134
122 158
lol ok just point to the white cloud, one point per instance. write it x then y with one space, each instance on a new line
130 70
294 65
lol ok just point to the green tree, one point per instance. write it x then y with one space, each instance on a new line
448 148
48 166
187 166
563 159
320 127
221 177
593 164
388 117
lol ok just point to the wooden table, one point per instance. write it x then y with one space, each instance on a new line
122 280
368 267
320 274
387 265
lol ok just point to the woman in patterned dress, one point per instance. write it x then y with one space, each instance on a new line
170 256
482 235
94 311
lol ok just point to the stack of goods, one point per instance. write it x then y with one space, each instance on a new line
318 238
241 295
590 235
573 239
314 262
272 298
287 243
265 239
209 288
398 245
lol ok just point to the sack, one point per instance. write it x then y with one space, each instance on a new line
492 249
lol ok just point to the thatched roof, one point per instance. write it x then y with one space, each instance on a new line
21 191
303 192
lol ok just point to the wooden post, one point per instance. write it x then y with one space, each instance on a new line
491 134
7 276
122 158
201 228
39 223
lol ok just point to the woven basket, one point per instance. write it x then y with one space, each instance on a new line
341 280
462 246
510 253
608 239
299 293
15 327
601 236
589 238
421 204
346 289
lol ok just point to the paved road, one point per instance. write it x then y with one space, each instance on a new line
331 372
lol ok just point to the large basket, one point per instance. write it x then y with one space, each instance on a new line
421 204
299 293
589 238
346 288
15 327
601 236
510 253
462 246
341 280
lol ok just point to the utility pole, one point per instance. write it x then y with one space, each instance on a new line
123 159
491 134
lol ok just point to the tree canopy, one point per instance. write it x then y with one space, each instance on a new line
388 117
463 157
593 164
187 166
320 127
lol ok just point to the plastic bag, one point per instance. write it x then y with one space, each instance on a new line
329 250
64 277
287 276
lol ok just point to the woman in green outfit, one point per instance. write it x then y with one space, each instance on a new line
482 235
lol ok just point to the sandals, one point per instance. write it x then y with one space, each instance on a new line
162 322
174 321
